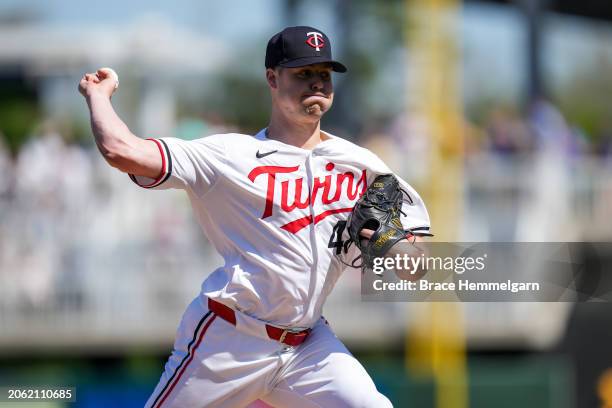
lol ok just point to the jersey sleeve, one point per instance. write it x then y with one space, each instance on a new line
194 164
415 217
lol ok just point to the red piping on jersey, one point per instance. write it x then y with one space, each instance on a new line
163 169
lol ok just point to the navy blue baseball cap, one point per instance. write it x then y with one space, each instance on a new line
298 46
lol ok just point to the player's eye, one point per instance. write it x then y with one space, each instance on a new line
305 74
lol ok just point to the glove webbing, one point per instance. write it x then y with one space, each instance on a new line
377 200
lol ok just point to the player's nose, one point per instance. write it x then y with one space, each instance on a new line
317 84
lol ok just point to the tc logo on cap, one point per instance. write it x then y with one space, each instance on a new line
315 40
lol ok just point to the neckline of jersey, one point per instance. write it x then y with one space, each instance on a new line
261 135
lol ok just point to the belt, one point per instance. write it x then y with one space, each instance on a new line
285 336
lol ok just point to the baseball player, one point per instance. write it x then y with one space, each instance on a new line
274 205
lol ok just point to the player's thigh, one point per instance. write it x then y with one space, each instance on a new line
213 365
348 387
325 374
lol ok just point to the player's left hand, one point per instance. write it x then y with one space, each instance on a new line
366 233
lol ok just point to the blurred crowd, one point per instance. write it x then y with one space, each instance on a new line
504 131
75 233
41 200
544 128
526 177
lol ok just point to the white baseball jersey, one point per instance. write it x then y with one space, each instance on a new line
276 213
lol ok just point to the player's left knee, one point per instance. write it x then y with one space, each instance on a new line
361 396
355 398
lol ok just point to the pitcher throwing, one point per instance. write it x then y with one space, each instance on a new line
274 205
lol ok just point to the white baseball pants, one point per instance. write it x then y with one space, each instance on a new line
217 364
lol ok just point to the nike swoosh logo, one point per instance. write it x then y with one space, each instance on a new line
260 155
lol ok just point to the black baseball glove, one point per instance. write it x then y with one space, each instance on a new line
378 210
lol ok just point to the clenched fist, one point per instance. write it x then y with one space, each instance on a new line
104 81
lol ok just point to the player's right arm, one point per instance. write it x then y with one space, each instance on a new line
117 144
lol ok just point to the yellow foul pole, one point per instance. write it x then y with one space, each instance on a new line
436 342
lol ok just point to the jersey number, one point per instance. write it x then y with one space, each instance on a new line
335 240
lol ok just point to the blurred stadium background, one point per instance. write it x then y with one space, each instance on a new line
499 112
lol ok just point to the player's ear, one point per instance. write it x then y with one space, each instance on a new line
272 77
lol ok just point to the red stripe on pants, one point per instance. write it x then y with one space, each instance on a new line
178 377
